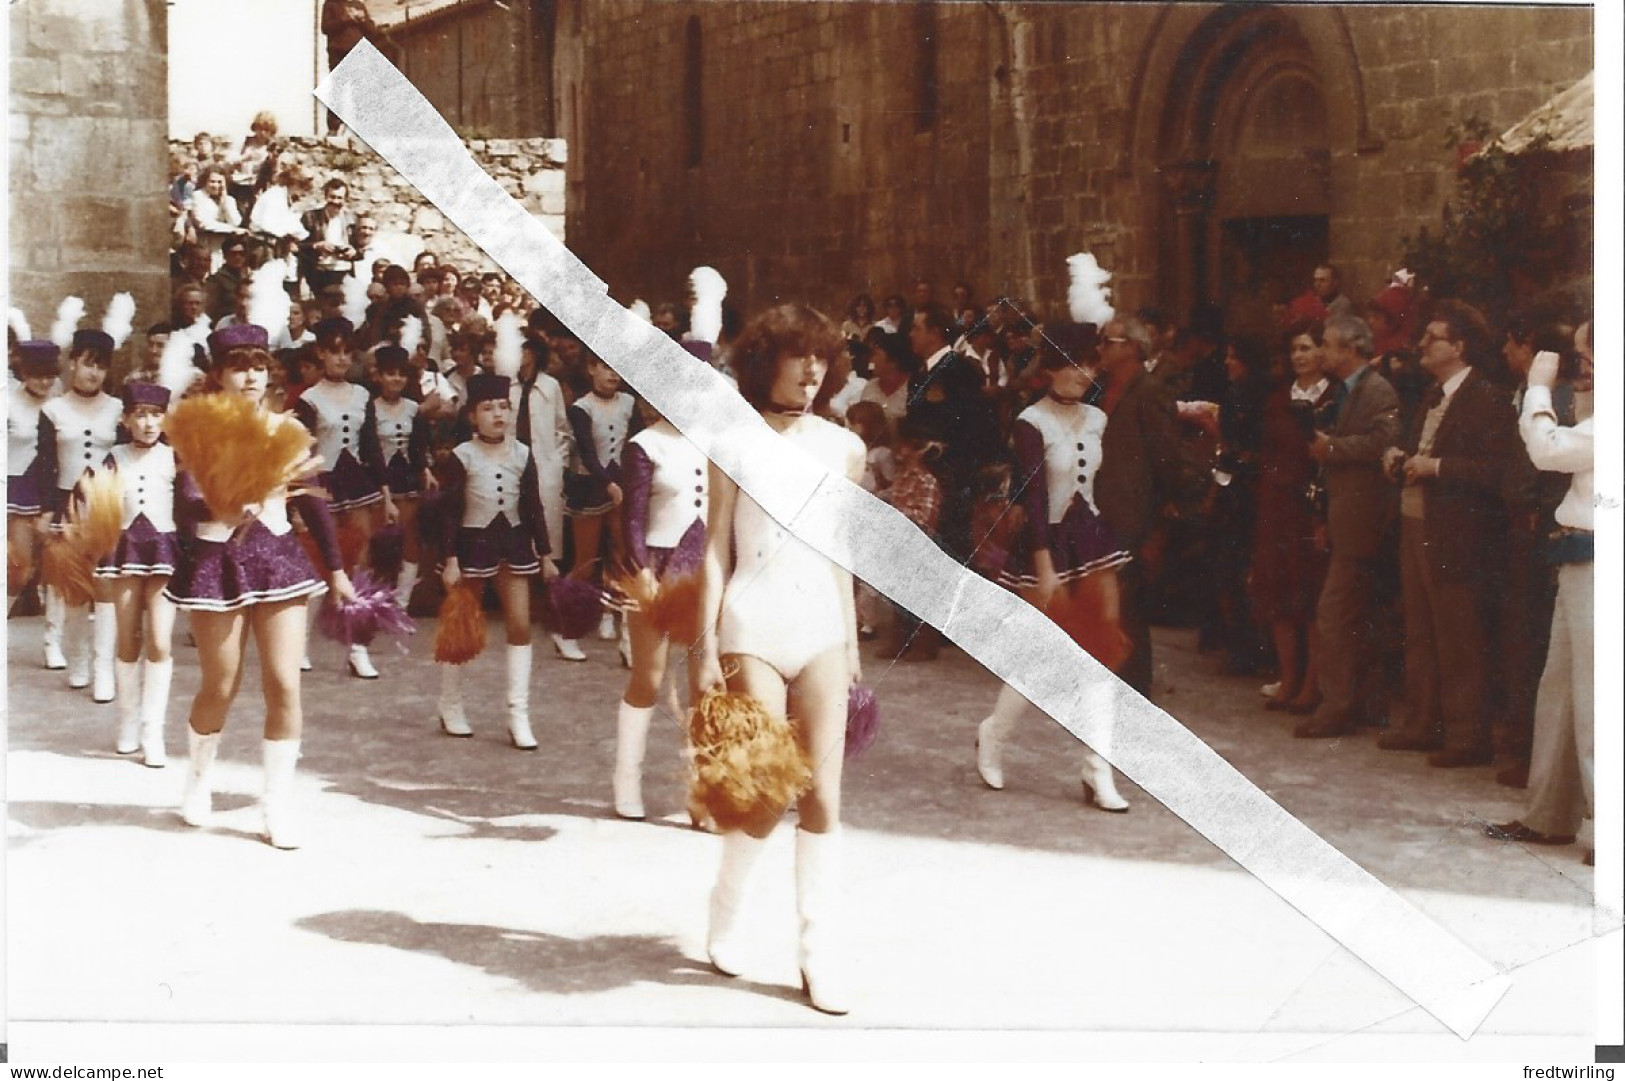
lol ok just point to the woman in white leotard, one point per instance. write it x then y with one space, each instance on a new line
779 621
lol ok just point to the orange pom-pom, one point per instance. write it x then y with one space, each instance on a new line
18 570
676 612
67 569
745 763
460 634
96 513
238 453
1080 611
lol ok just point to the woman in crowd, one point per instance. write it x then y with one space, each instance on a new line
214 215
1289 557
251 578
779 625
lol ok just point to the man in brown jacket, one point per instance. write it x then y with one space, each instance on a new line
1142 471
1360 506
1453 528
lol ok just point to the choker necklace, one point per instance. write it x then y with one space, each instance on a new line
787 411
1054 397
491 442
88 397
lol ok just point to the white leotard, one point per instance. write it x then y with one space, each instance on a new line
782 604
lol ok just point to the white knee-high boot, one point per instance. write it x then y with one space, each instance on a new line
1100 717
740 854
76 644
198 804
55 616
156 676
992 732
280 756
818 897
127 680
631 736
361 663
405 584
568 648
519 698
452 719
104 645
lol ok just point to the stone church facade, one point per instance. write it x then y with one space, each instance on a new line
1206 153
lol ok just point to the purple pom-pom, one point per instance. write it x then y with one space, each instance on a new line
373 612
862 719
576 606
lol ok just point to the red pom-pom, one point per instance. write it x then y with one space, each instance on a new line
1080 611
68 570
862 719
460 634
676 610
575 604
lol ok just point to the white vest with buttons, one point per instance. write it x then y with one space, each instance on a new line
611 421
86 429
341 409
678 488
147 477
1072 435
493 472
394 420
22 429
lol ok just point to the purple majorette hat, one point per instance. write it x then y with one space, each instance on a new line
97 341
336 327
389 356
237 336
486 387
39 356
155 394
698 349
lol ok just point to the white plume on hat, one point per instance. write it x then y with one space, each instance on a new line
268 301
19 326
176 372
411 334
355 294
120 318
68 314
705 317
510 339
1089 298
641 309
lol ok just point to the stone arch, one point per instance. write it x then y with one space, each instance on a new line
1237 116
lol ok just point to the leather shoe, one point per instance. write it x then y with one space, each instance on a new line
1320 730
1521 834
1457 757
1303 709
1514 776
1407 741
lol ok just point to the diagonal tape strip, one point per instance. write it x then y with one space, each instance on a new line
858 531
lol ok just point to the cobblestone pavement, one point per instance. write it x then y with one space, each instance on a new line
447 882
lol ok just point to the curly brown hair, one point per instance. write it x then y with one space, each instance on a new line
788 330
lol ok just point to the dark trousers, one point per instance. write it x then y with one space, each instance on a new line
1347 621
1525 599
1136 620
1444 649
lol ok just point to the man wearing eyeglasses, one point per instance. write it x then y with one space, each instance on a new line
1462 447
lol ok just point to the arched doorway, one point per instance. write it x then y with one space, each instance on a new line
1244 156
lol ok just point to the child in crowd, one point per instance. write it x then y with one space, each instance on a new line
602 422
868 420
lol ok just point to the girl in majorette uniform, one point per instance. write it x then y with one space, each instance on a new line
340 415
664 516
1063 542
494 528
403 447
38 366
76 431
541 423
781 616
138 570
602 423
251 577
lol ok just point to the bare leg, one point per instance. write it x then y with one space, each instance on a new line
514 593
817 702
159 633
279 632
649 652
761 681
221 640
129 607
1287 635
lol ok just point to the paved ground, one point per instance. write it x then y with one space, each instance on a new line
450 881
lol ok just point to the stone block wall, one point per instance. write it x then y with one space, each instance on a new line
88 103
816 179
531 170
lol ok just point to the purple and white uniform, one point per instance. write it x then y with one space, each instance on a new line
491 509
75 434
665 503
403 445
601 427
150 542
340 416
23 495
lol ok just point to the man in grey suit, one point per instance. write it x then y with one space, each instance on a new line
1361 503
